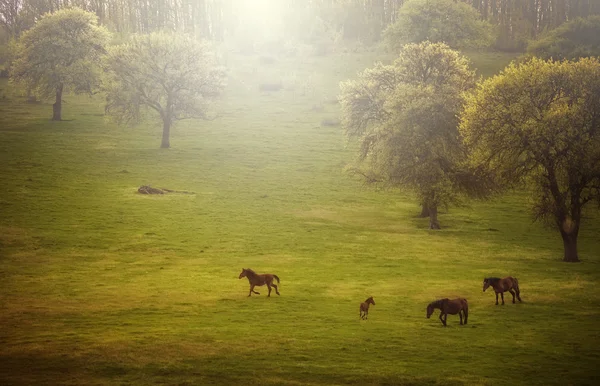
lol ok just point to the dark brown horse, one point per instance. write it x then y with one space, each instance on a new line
256 279
455 306
509 284
364 308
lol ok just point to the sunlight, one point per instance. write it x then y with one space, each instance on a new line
260 18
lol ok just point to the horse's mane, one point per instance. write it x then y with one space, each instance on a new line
492 280
250 271
436 303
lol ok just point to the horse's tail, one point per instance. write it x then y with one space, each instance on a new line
466 310
516 286
276 277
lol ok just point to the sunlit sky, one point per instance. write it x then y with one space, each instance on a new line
261 18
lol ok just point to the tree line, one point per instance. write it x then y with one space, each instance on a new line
517 21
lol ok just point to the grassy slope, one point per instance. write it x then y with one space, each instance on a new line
101 285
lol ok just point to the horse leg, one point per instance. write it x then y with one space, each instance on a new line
496 298
502 294
276 290
269 286
460 316
252 290
442 319
513 294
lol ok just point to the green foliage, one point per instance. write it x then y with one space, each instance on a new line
405 117
574 39
454 23
537 122
172 75
63 49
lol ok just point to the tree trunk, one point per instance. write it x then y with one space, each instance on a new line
165 144
57 106
433 220
569 230
424 211
570 244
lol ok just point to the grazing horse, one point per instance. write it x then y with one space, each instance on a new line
256 279
509 284
364 308
455 306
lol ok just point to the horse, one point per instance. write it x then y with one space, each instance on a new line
364 308
256 279
509 283
455 306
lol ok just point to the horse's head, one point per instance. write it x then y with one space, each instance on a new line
243 274
370 300
429 310
486 284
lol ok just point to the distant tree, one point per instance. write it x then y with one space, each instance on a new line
405 118
172 75
12 17
455 23
60 53
577 38
538 123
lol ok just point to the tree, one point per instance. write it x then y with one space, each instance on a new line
577 38
539 123
60 54
405 118
454 23
170 74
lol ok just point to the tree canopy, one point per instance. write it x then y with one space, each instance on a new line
455 23
60 53
173 75
538 123
405 118
577 38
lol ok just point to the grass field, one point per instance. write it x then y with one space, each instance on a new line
101 285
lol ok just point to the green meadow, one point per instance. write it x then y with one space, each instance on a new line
102 285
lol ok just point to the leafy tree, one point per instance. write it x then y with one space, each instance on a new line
454 23
577 38
405 118
169 74
59 54
539 123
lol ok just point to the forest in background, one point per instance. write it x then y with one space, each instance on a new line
280 22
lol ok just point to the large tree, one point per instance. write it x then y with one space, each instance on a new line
405 117
455 23
538 123
172 75
60 53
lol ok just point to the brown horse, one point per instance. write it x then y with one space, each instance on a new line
509 283
256 279
455 306
364 308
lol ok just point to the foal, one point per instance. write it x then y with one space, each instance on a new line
256 279
500 286
364 308
455 306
